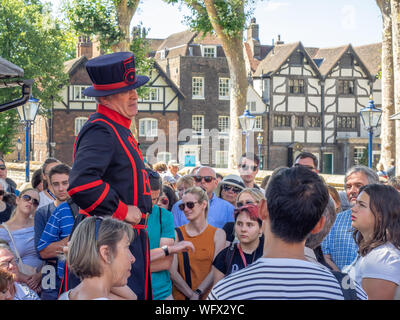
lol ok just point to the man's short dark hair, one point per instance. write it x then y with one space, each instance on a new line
296 199
155 180
305 154
36 178
251 156
60 169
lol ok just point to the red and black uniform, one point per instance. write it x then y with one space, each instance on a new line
107 175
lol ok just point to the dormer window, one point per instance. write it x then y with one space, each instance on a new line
163 53
209 51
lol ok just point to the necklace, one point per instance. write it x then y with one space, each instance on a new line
243 257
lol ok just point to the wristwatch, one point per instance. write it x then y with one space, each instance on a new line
198 291
165 248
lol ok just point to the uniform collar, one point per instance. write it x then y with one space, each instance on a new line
114 116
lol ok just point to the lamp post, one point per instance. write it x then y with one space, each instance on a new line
19 148
370 117
27 114
259 143
247 122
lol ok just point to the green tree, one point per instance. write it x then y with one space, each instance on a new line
227 19
34 41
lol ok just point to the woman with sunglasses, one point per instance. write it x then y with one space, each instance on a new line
249 245
19 233
191 272
376 219
229 188
5 207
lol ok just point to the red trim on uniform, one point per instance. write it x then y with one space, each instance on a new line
73 151
99 200
121 211
84 213
111 86
85 187
114 116
135 182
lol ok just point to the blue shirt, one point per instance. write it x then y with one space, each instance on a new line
57 228
339 243
161 281
219 213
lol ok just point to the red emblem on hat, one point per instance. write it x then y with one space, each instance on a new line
130 72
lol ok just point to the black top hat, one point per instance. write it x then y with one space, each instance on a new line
113 73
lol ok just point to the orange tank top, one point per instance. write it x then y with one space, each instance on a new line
200 261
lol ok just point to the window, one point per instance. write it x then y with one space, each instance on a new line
258 123
221 159
296 86
164 156
79 122
198 125
209 51
299 121
152 95
223 124
314 121
223 88
77 95
345 86
148 127
282 121
358 154
252 106
198 88
344 122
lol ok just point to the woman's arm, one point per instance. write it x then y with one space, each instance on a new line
379 289
218 275
122 293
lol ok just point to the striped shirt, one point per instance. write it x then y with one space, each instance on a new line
57 228
281 279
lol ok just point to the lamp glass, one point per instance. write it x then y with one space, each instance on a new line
259 139
371 116
247 121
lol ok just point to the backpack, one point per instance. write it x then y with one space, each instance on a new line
349 293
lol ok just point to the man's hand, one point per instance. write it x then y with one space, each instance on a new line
181 246
133 216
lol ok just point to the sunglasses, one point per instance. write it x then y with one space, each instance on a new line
251 209
227 187
3 167
241 204
207 179
247 167
2 192
28 198
189 204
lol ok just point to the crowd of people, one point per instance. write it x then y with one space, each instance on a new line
114 227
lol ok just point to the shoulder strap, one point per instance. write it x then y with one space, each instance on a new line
346 285
159 208
12 239
74 207
186 263
229 257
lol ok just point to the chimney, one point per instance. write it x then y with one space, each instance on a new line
278 42
253 38
87 48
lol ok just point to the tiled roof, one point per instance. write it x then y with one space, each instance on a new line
371 56
70 65
8 69
330 57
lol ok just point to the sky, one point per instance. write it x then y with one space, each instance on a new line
316 23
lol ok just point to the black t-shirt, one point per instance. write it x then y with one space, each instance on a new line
228 262
5 215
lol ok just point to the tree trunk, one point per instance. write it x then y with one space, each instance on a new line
395 13
388 131
233 48
125 12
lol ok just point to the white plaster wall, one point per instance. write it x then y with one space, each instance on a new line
277 100
346 134
281 136
314 83
297 104
330 87
329 137
328 121
314 136
316 101
346 105
295 70
347 72
328 102
308 71
299 136
278 81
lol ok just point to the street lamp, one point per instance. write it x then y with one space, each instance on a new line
19 148
27 114
247 122
370 117
259 143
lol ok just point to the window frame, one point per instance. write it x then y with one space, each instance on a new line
222 87
152 134
201 93
76 132
81 97
197 132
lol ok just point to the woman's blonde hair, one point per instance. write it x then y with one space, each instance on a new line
83 254
255 193
187 181
201 196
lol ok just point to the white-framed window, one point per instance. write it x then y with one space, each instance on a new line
223 124
77 95
223 88
148 127
164 156
198 88
252 106
221 159
358 154
152 95
258 123
79 122
198 124
209 51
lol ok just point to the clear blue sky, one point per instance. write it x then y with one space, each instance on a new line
319 23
